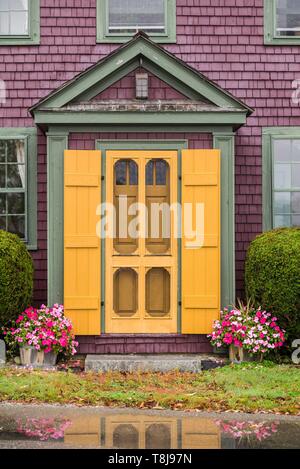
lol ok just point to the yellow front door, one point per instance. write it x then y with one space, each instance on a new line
141 258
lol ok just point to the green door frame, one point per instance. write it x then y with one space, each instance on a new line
57 142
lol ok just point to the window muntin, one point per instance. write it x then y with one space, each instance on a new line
13 186
130 16
286 182
287 18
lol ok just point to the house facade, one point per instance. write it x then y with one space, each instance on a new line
184 103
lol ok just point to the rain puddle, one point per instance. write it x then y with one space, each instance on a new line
70 427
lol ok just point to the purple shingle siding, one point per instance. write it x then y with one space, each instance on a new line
221 38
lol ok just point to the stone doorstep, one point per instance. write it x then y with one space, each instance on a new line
158 363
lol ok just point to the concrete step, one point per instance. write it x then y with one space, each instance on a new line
156 363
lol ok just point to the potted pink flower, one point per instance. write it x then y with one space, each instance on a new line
249 333
42 334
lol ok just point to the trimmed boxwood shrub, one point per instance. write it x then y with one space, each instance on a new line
16 277
272 276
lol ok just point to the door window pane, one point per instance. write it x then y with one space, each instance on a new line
133 173
288 18
14 18
149 173
158 207
125 195
120 172
161 173
127 16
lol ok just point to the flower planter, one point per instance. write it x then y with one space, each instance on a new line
240 355
32 357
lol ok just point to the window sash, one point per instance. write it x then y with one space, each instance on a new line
122 33
10 13
288 215
278 30
17 190
129 30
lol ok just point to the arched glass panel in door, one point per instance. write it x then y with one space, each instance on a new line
125 194
158 206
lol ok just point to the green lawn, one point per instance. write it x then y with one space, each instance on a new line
248 388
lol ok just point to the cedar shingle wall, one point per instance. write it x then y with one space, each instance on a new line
221 38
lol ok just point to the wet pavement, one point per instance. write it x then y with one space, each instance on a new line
73 427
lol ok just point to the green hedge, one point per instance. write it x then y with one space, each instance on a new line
272 276
16 277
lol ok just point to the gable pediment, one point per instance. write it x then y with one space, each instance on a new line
140 52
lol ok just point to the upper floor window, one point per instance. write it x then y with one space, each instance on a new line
281 178
282 22
19 22
118 20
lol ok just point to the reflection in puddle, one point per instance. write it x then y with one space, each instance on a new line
43 429
111 429
248 430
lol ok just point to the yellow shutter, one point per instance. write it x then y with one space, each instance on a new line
82 246
201 265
